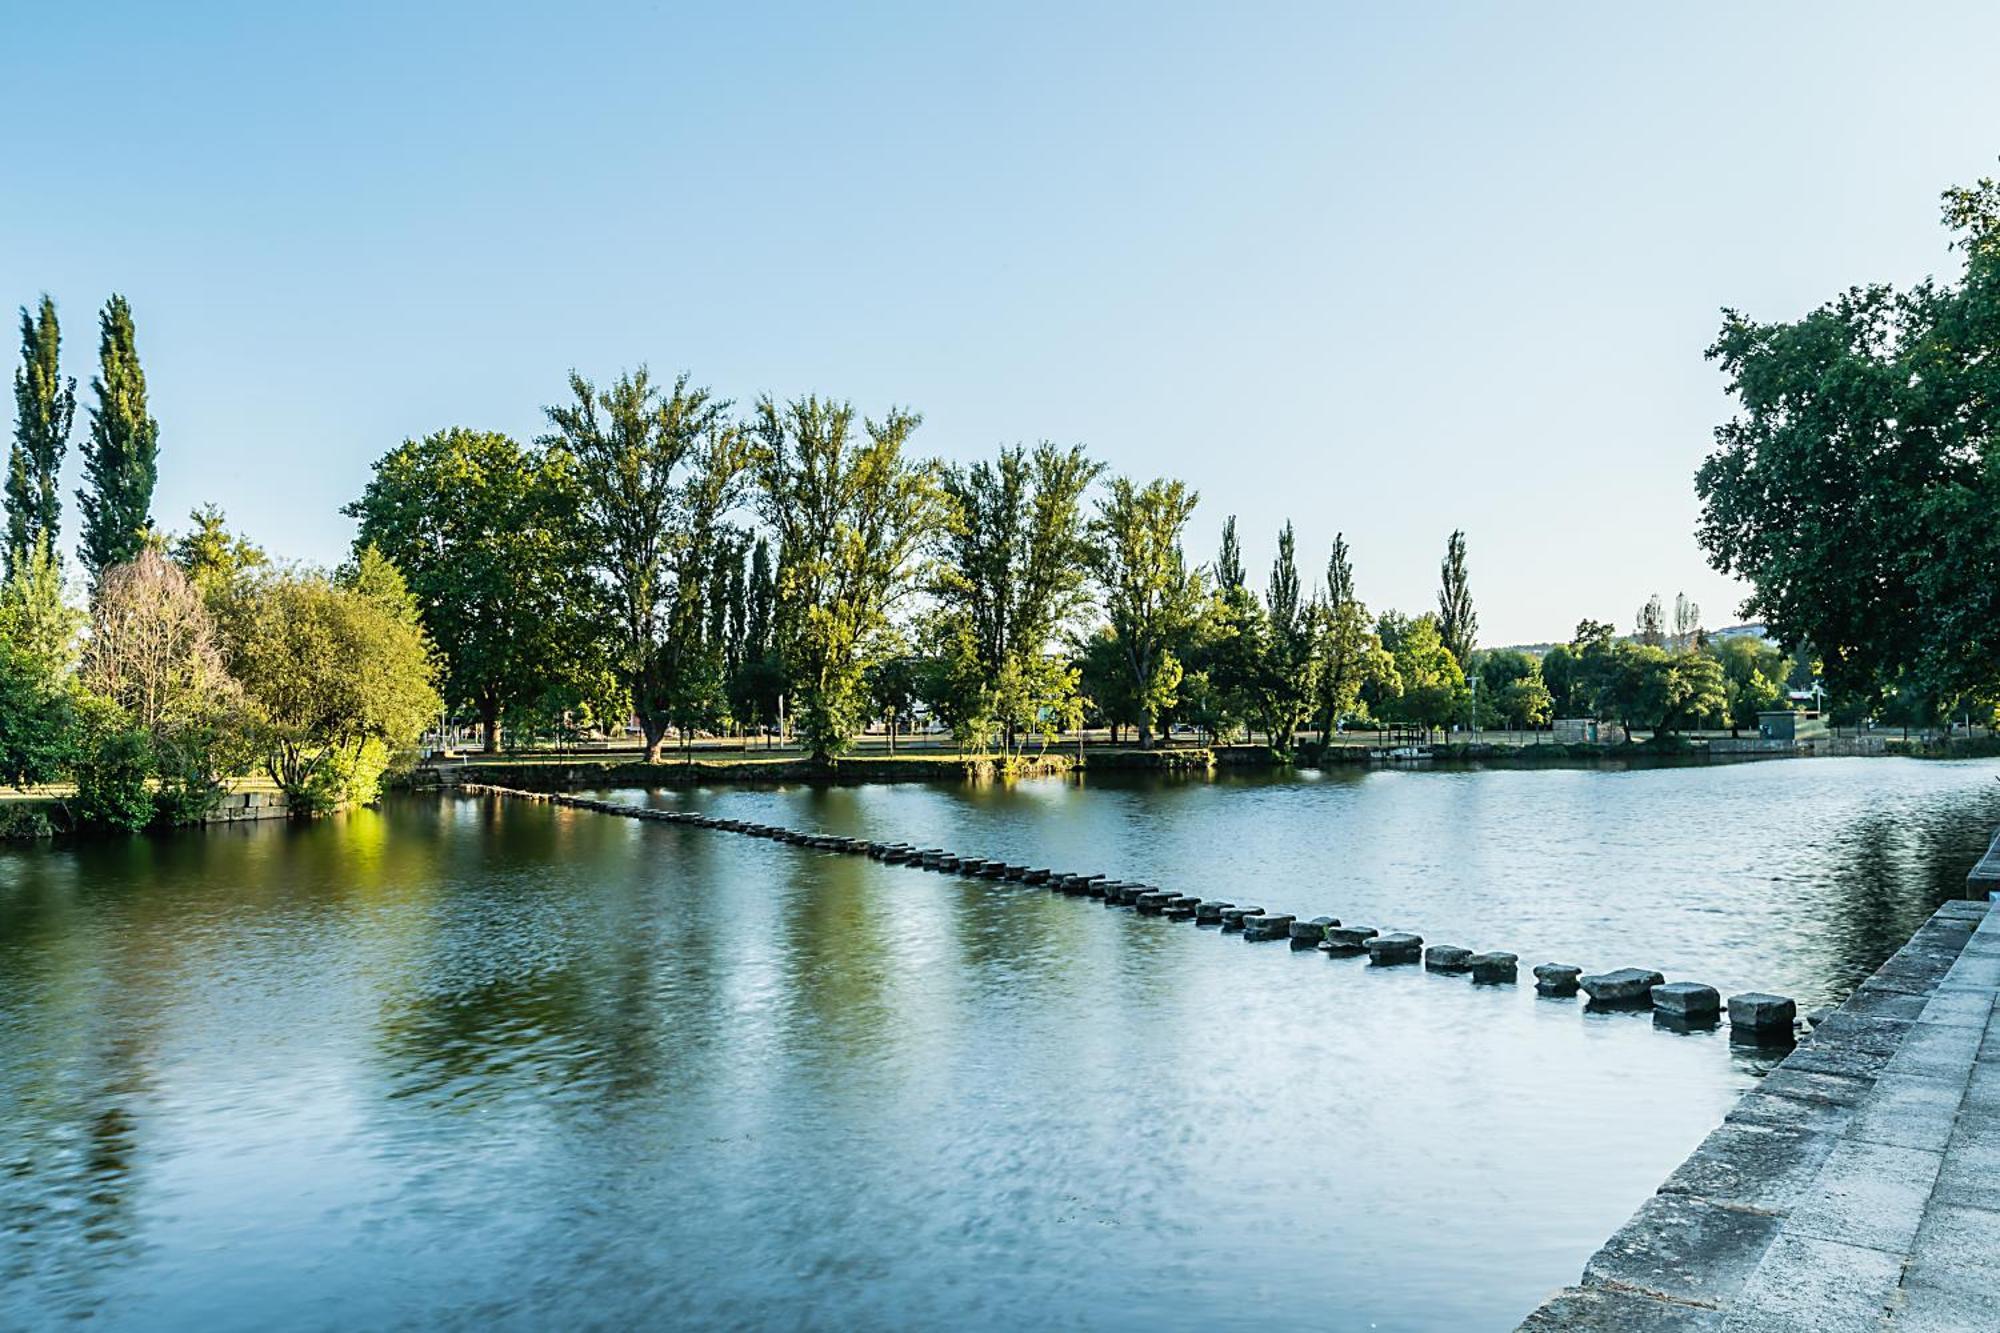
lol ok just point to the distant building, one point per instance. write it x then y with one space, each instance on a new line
1587 731
1786 724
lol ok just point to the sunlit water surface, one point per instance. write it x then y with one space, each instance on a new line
465 1063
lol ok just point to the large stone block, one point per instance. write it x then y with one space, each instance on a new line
1268 926
1348 939
1494 968
1447 958
1556 978
1308 933
1689 1001
1396 947
1757 1012
1627 986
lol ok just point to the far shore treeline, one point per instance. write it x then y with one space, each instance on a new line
662 555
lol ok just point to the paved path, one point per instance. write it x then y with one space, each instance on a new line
1857 1187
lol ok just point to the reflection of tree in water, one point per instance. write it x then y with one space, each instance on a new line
1889 870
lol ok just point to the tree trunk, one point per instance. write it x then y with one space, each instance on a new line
655 732
489 720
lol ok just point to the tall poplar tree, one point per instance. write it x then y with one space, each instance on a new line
121 460
1458 625
44 407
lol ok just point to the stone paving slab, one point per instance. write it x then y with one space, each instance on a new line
1817 1284
1869 1194
1589 1310
1685 1249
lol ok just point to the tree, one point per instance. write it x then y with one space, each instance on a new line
1151 596
852 517
338 677
121 459
1013 563
488 535
1229 560
211 555
1560 675
44 408
1854 486
1752 670
1457 622
659 473
1512 690
1651 626
1687 623
37 649
1432 682
1287 677
1352 659
152 654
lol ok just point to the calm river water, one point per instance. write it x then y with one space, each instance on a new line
463 1063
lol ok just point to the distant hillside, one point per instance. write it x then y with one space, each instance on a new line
1753 630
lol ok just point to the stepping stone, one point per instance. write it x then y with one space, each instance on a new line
1629 986
1154 901
1395 947
1689 1001
1306 934
1348 939
1267 926
1208 911
1034 877
1181 908
1493 969
1754 1013
1556 978
1233 917
1447 958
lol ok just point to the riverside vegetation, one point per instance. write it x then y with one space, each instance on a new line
659 557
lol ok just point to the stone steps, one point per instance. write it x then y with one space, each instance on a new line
1857 1187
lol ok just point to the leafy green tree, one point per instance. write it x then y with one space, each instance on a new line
1854 487
44 408
1458 624
487 533
1229 560
1287 677
1560 676
1751 671
1013 567
852 517
1433 684
1105 677
37 650
1352 660
1512 691
659 472
1151 595
121 458
894 685
113 767
212 556
338 677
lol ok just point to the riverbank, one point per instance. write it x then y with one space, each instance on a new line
1852 1189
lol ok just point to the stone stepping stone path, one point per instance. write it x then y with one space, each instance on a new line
1767 1018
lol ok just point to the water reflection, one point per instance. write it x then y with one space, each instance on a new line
475 1063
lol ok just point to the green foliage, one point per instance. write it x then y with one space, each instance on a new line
1286 679
37 650
851 517
338 677
1352 659
1151 596
659 471
1014 560
1855 486
1752 670
152 653
1512 691
1458 625
44 408
113 768
212 556
121 458
1432 683
490 536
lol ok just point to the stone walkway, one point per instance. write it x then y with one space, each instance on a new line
1857 1187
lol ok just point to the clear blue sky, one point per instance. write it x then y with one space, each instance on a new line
1390 270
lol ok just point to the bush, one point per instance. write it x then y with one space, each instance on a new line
114 762
20 822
